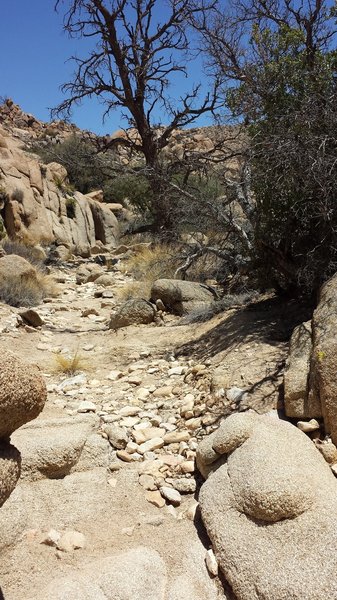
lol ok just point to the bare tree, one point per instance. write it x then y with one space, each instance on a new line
140 45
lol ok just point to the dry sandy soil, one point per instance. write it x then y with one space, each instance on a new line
244 348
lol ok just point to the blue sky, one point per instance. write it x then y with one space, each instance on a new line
33 64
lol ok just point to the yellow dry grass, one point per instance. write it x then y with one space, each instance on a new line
146 265
71 363
151 263
134 289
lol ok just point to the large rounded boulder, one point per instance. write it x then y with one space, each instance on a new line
133 312
23 393
270 509
181 297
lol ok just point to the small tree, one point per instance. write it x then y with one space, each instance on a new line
140 46
277 61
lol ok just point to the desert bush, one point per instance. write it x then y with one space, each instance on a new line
149 263
71 208
134 289
16 292
26 292
26 250
227 302
3 194
70 364
152 262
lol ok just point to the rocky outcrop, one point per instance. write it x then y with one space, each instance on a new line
40 206
181 297
22 397
270 510
310 376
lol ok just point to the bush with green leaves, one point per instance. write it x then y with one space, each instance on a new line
279 63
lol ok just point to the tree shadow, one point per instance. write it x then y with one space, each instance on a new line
271 320
2 597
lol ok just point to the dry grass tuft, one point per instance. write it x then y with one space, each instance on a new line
70 364
151 263
148 264
134 289
20 292
26 291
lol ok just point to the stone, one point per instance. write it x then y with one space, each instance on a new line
176 371
184 485
109 579
155 498
16 269
150 445
51 538
308 426
181 297
235 394
86 406
211 563
129 411
175 437
328 451
143 435
296 374
171 495
10 469
52 448
163 392
132 312
68 384
114 375
187 466
23 393
272 497
147 482
89 311
31 317
105 280
117 436
125 456
71 540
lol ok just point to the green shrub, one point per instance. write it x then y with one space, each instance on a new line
71 208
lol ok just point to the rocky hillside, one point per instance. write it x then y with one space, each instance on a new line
38 206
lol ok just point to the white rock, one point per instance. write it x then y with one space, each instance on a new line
176 371
235 394
79 379
171 495
129 411
71 540
211 562
308 426
151 445
52 538
114 375
86 406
